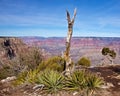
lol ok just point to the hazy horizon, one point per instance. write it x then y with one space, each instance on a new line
55 37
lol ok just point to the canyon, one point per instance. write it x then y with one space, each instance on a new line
89 47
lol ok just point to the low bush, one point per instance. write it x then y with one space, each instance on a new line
52 81
76 81
93 82
5 72
84 62
27 77
54 63
83 82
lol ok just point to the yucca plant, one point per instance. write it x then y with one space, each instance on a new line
52 81
27 77
76 81
32 76
93 83
21 78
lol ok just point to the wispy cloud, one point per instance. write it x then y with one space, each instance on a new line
24 16
27 20
113 21
33 32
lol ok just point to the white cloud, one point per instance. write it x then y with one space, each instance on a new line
27 20
113 21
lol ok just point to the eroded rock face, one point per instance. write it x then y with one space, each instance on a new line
9 49
6 42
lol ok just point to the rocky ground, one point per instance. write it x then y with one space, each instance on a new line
111 75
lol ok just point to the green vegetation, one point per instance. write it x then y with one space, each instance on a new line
24 62
53 63
6 72
52 81
48 73
27 77
105 51
30 59
31 68
93 83
84 62
21 79
83 82
76 81
109 53
112 54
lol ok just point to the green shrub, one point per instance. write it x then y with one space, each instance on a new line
83 82
21 79
5 72
27 77
105 51
93 83
31 59
52 81
84 62
32 76
109 53
76 81
54 63
80 80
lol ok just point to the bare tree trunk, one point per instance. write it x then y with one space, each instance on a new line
68 43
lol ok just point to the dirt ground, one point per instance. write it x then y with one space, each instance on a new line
111 75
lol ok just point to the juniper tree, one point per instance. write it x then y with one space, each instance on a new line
109 53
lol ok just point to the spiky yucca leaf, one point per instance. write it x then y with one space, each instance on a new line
76 81
93 83
20 79
27 77
32 76
52 81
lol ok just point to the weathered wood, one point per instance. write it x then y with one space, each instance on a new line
68 43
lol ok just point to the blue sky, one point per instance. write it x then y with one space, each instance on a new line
99 18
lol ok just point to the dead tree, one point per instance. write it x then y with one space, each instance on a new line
68 43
